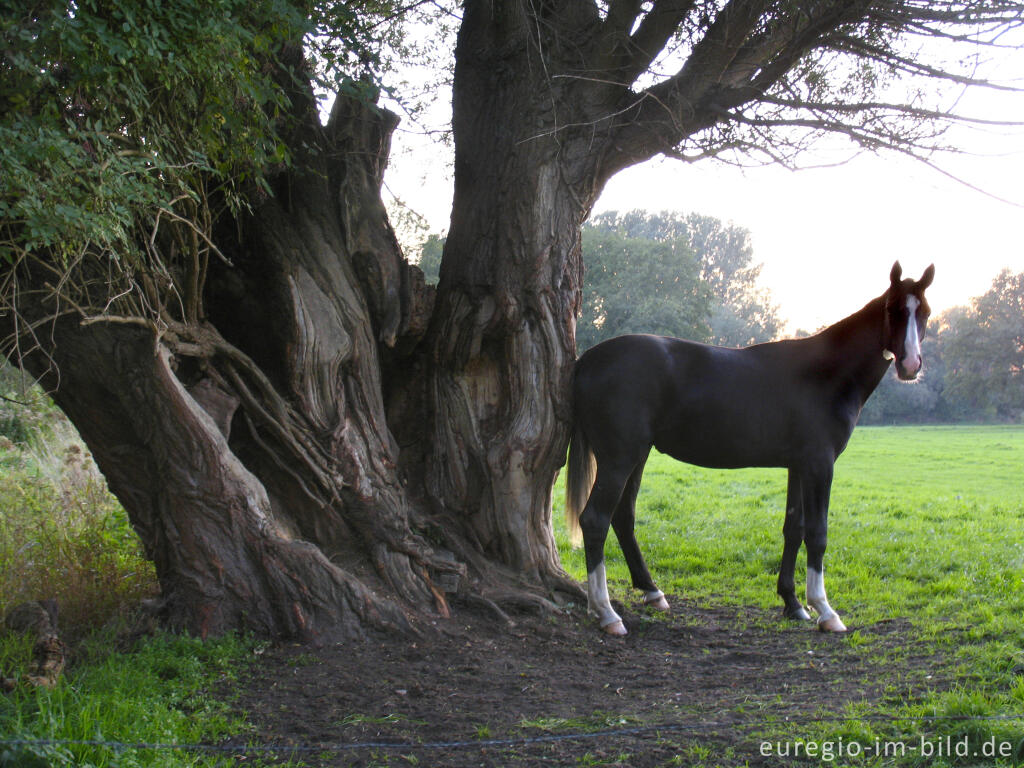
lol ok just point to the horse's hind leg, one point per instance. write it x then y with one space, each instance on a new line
594 521
623 522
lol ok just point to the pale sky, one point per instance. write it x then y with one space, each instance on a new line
827 237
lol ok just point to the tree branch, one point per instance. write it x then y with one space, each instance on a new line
748 55
671 110
657 28
909 66
882 106
622 15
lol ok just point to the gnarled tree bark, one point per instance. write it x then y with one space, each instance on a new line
250 447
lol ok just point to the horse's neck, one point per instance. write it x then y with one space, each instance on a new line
853 348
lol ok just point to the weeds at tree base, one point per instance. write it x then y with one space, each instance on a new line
63 535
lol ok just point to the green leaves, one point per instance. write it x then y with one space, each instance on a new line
115 115
128 128
686 276
66 187
983 349
637 284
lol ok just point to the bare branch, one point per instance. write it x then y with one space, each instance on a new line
752 56
622 15
653 34
739 46
881 107
909 66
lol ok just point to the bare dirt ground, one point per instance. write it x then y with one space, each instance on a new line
700 687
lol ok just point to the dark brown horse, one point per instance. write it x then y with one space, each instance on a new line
789 404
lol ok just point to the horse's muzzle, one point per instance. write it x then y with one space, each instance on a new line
908 367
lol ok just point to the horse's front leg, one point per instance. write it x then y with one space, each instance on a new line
793 536
594 522
815 487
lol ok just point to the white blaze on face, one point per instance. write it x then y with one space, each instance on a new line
597 596
912 343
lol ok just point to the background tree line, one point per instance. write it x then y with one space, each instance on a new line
694 277
691 276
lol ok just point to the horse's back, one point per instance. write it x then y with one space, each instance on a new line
630 366
630 352
623 387
702 404
658 372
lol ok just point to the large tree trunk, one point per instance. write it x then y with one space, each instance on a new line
502 342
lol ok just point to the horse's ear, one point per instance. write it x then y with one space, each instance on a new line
896 274
926 278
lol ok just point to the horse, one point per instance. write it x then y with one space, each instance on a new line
790 404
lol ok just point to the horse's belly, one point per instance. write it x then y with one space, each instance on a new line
726 440
715 458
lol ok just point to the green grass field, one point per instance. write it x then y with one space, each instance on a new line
926 524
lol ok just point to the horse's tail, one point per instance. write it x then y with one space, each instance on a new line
578 483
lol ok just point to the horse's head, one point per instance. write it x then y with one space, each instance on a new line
906 313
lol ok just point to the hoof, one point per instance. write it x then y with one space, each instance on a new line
659 604
832 624
800 614
616 629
